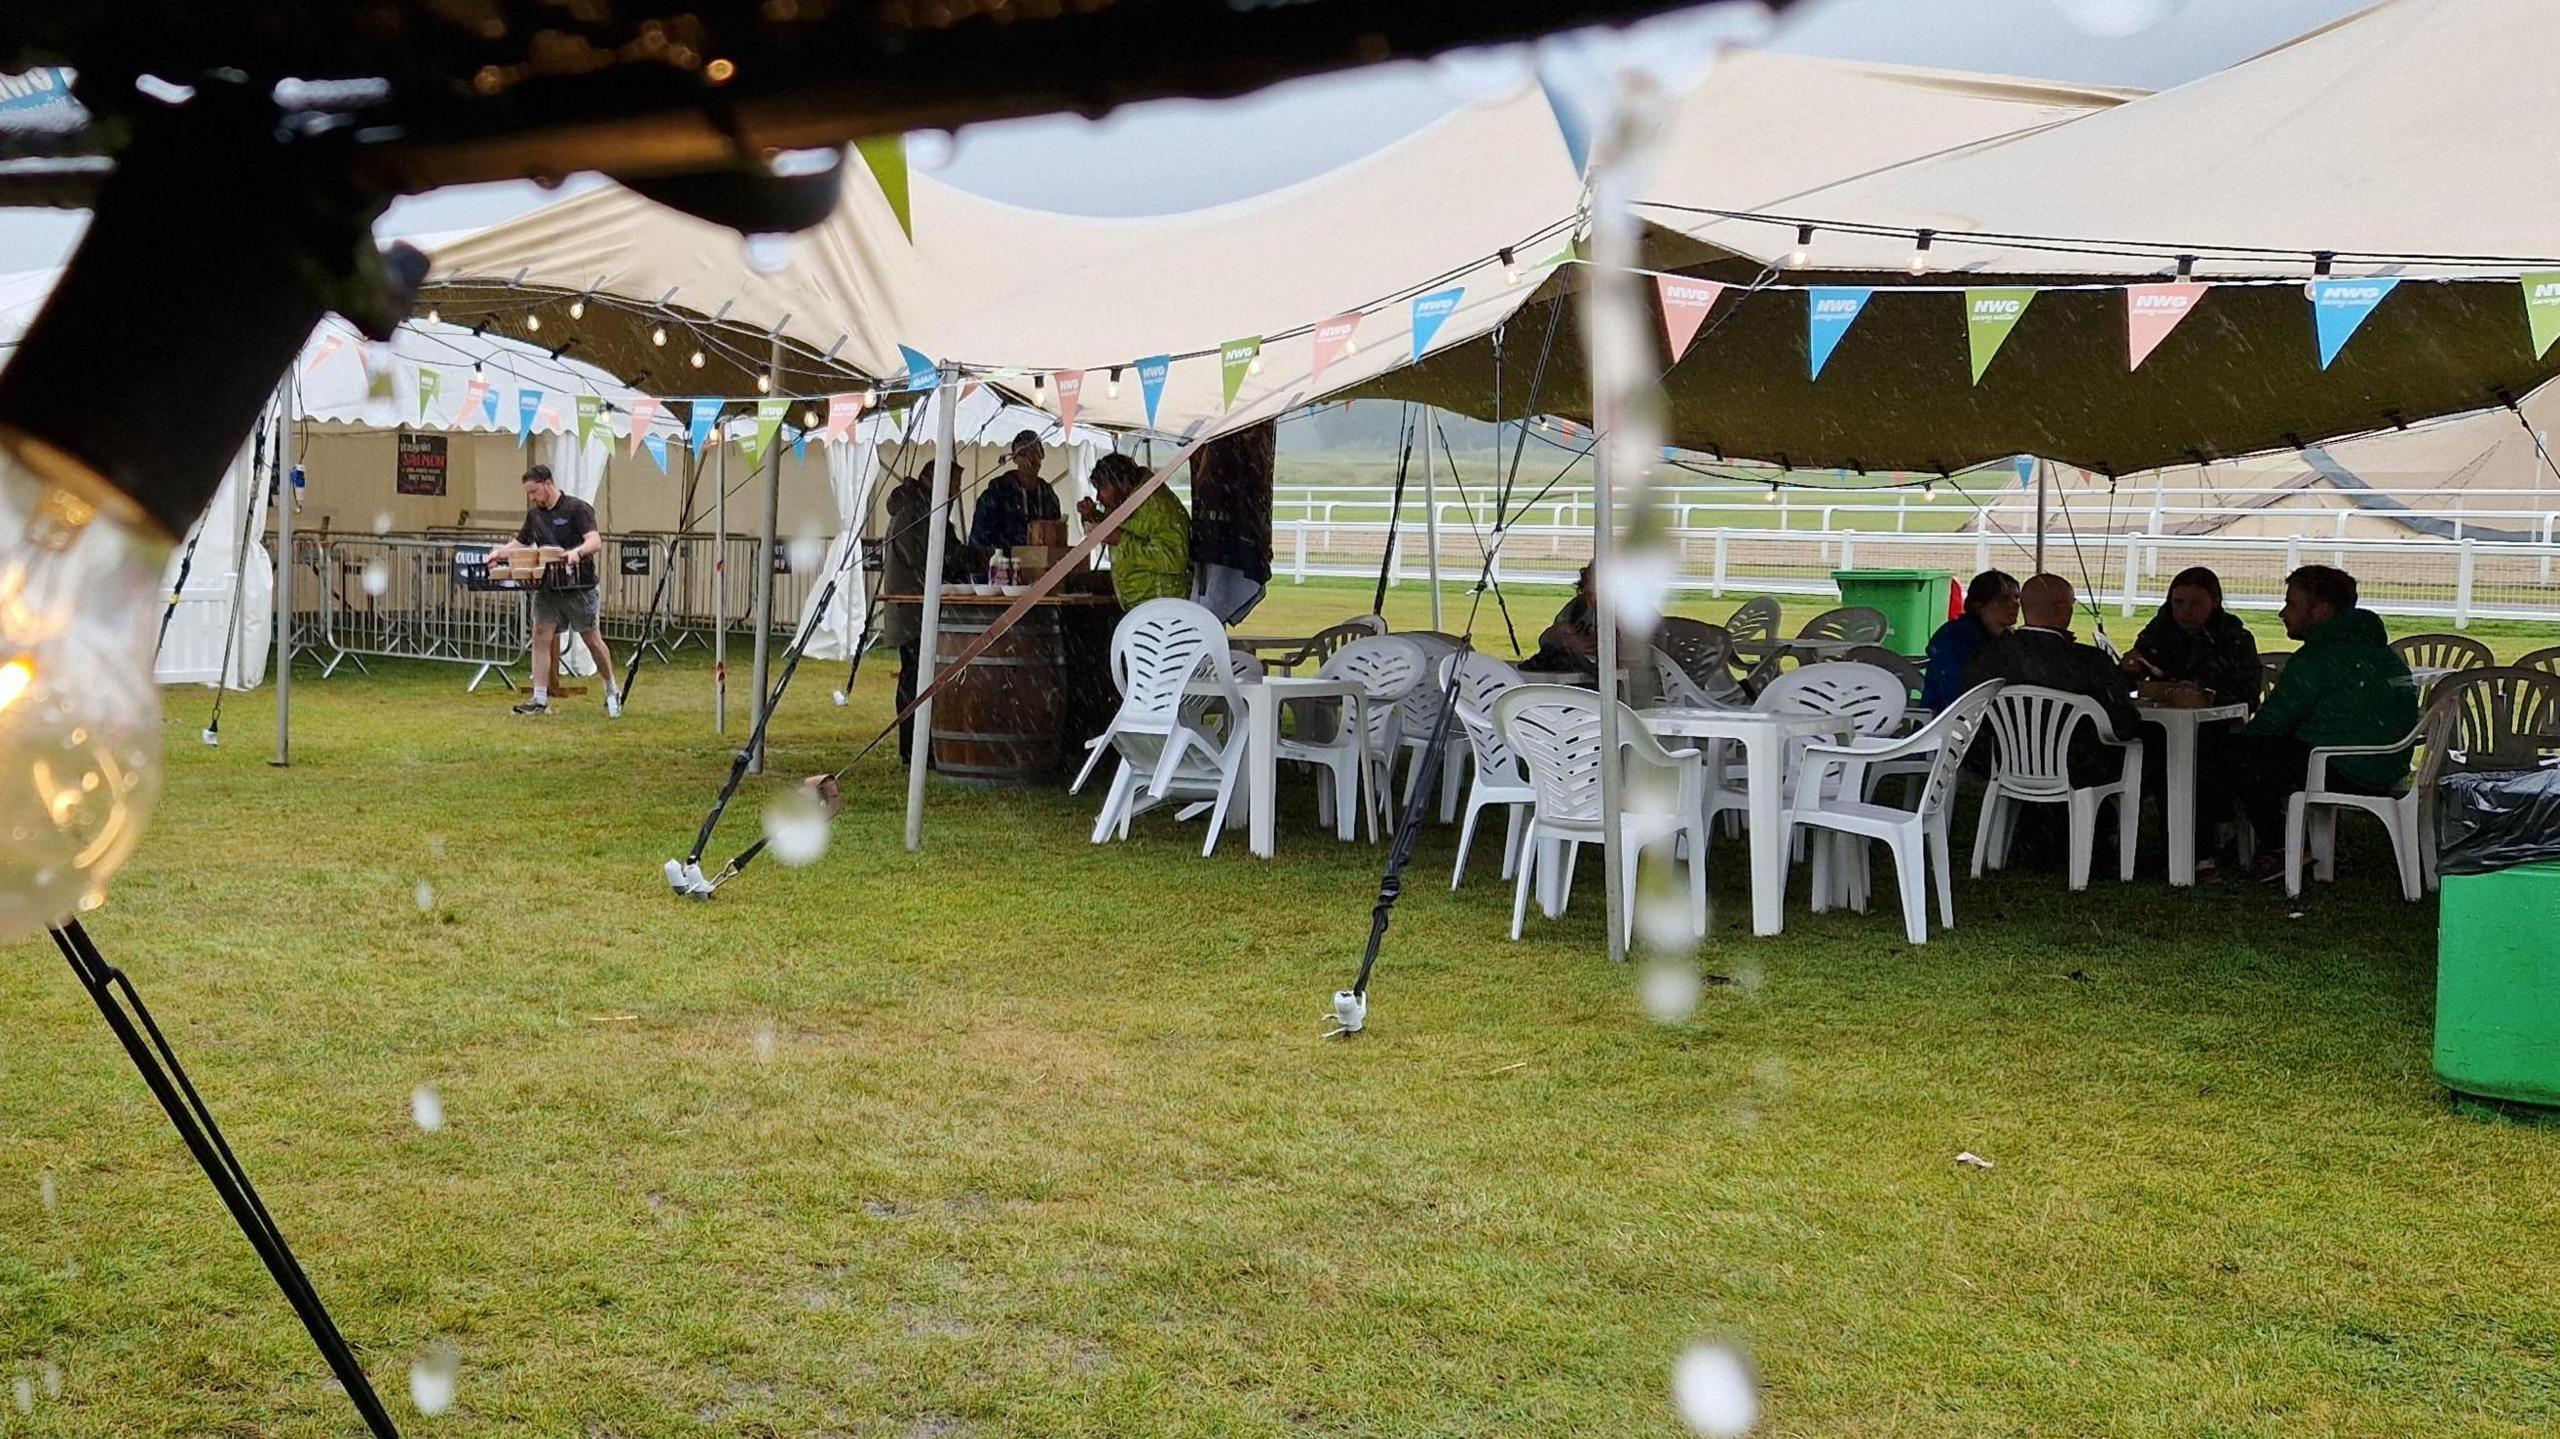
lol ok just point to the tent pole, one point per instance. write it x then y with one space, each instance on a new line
2044 484
720 585
936 535
764 582
1431 517
1605 614
286 471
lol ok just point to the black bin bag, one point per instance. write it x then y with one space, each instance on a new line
2496 819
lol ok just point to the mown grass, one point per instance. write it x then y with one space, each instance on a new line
1024 1137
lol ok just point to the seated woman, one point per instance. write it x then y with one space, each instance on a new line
2194 649
1990 611
1571 645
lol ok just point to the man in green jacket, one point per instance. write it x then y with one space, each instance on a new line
2343 687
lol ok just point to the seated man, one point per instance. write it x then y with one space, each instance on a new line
1151 550
2343 687
2042 651
1571 645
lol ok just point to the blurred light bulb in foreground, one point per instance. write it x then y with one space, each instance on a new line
79 713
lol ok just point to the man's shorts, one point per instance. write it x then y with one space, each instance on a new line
571 610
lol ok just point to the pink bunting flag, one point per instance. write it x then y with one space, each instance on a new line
473 394
842 412
548 417
2151 312
1070 391
1333 340
330 344
967 390
644 408
1685 303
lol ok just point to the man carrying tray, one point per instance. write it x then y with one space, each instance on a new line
567 599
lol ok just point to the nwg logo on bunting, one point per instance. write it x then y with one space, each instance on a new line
2161 304
1691 294
1335 330
2546 293
1239 354
1835 309
1993 309
2352 295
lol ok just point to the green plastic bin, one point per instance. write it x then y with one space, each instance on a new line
2498 990
1914 603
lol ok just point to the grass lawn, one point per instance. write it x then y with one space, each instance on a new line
1025 1137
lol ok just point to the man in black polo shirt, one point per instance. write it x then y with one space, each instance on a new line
568 598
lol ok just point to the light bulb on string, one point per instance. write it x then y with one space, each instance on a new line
1111 387
578 308
1928 493
79 711
658 337
764 383
808 419
697 360
1770 498
1256 367
434 316
1510 266
533 323
1920 251
1802 254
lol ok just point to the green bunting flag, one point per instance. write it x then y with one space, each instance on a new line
430 385
590 415
1236 359
2542 309
886 157
769 413
1989 316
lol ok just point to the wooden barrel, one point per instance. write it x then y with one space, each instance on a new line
1002 720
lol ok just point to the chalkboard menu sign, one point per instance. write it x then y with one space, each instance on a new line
422 464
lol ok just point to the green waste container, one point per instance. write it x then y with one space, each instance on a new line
1914 603
2498 990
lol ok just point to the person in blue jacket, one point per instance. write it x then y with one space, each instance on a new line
1990 610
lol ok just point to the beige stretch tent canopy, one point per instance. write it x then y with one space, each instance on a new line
2378 139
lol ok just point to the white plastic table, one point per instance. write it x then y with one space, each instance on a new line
2179 804
1764 738
1262 702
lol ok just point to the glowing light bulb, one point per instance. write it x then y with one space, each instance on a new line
533 323
1920 251
1111 387
764 384
1798 257
434 315
1770 498
1350 346
1510 266
698 360
1256 367
1928 493
577 309
658 337
79 712
808 419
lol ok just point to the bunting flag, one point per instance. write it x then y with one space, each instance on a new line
2151 312
488 400
2542 309
430 388
330 344
921 374
1151 376
475 391
842 413
528 405
1989 316
1333 340
1430 311
657 444
799 443
1235 360
590 415
2340 307
1829 311
749 444
548 419
697 435
1070 391
967 388
769 413
644 416
1685 303
886 158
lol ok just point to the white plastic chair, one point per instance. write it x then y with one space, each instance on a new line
1387 668
1752 629
1555 730
1420 713
1157 651
1701 656
2035 726
1941 744
1499 778
1873 700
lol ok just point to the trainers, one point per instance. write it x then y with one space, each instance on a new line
533 707
612 705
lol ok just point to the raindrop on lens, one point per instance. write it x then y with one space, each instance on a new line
1716 1393
1669 989
382 522
427 1107
768 254
807 550
930 150
52 1380
425 893
433 1377
795 827
45 1192
26 1395
377 578
763 1042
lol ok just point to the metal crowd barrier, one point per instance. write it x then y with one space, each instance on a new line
399 597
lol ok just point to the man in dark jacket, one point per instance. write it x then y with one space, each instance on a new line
2343 687
2042 651
902 555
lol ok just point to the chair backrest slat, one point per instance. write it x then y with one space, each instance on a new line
2500 718
1158 649
1849 622
2442 652
1390 668
2035 726
1873 699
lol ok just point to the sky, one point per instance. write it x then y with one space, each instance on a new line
1183 154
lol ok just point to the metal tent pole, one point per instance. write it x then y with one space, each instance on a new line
764 584
937 533
286 474
2044 484
720 583
1431 517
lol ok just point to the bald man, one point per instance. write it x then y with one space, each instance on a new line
2043 651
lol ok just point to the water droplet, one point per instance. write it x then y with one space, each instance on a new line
52 1380
795 827
1669 988
435 846
930 150
768 254
425 895
807 550
26 1395
1718 1396
433 1376
382 522
427 1107
763 1041
46 1192
377 578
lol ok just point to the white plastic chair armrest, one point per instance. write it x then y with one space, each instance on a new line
2316 773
